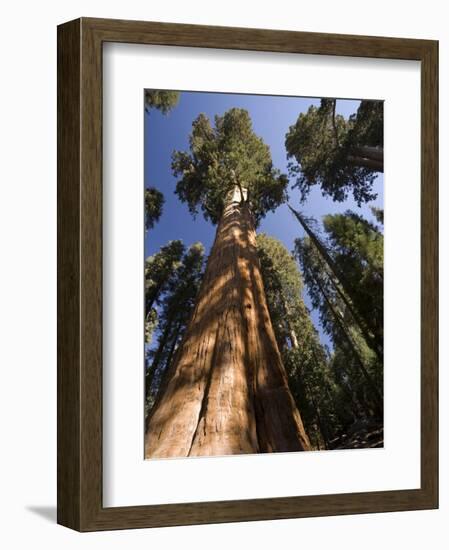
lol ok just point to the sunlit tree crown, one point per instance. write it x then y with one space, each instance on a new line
223 157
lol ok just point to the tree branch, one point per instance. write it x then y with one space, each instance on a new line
372 153
242 196
334 125
375 165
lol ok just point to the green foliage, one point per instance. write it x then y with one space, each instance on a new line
341 280
326 150
282 282
367 125
306 361
318 281
357 250
175 308
354 249
151 321
158 270
378 213
351 398
223 157
154 202
351 236
162 100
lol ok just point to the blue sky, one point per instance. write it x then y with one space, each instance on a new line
271 116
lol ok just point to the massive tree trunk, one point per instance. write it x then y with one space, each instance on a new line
226 391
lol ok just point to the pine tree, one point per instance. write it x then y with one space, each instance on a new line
158 270
154 202
305 359
378 213
175 309
357 248
342 279
338 321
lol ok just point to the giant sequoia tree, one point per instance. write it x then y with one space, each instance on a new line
226 390
339 155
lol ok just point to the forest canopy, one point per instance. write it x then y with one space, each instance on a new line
340 155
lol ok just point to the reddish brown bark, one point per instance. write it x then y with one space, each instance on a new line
226 391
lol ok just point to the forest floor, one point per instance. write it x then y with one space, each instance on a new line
361 435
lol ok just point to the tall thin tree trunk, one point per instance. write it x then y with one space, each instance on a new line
322 427
152 296
175 339
291 331
368 330
227 390
160 349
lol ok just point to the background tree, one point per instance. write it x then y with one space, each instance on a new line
227 390
337 154
361 425
365 375
283 288
378 213
159 268
305 359
175 309
357 250
344 282
162 100
154 202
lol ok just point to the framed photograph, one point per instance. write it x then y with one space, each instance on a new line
247 274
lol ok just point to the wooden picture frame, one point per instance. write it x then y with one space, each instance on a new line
80 504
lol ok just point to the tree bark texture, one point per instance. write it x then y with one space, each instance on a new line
226 391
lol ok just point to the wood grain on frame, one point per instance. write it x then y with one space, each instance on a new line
80 274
